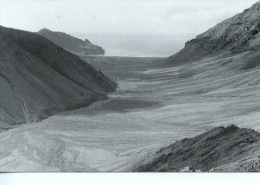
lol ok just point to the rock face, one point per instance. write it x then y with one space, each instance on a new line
38 78
71 43
215 148
235 35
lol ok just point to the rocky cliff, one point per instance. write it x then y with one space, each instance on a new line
235 35
220 149
39 78
71 43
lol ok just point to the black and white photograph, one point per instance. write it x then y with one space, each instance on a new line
98 86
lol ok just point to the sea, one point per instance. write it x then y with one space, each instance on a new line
136 45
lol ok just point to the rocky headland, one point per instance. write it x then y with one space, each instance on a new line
72 44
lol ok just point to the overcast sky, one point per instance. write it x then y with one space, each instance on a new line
172 17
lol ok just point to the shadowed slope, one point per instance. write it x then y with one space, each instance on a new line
38 78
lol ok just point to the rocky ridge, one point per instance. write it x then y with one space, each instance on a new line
220 149
235 35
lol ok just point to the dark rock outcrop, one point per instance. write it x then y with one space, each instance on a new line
39 78
209 150
71 43
235 35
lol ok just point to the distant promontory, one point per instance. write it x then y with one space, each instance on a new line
72 44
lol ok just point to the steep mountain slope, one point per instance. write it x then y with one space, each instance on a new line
38 78
223 62
213 149
235 35
71 43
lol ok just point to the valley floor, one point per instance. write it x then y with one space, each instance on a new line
153 107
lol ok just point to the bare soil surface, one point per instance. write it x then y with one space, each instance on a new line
152 108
